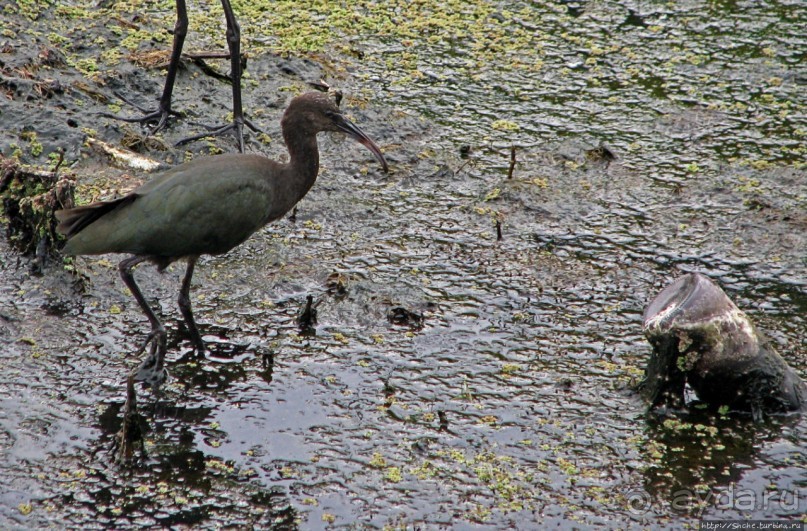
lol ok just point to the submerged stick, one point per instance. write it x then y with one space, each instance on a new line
512 162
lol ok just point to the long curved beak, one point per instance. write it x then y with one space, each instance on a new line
352 130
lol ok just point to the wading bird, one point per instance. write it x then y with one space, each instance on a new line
206 206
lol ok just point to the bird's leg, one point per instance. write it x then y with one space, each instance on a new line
184 301
234 45
151 370
163 111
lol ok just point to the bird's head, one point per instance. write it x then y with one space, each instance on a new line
315 111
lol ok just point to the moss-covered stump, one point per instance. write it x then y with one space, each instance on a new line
30 196
701 338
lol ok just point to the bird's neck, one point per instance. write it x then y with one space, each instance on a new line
303 163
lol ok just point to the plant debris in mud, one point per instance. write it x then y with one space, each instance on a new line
30 197
403 317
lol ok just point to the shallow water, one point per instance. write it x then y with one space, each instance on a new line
511 404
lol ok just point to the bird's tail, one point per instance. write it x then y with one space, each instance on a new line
74 220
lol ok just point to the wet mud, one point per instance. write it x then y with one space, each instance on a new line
478 318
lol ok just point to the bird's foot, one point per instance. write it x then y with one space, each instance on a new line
152 371
157 118
237 128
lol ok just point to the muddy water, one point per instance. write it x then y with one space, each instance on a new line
651 140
